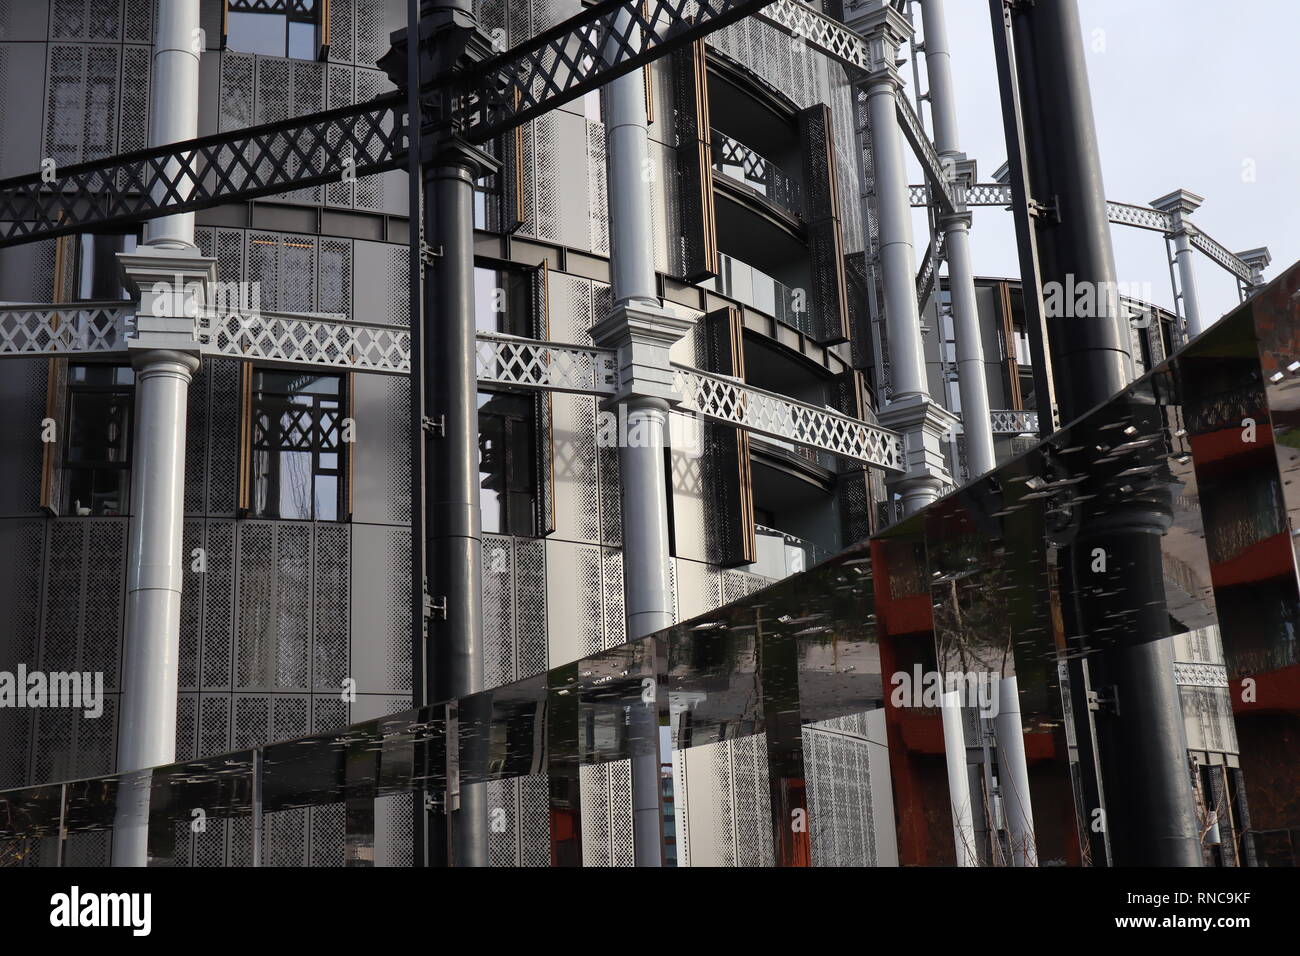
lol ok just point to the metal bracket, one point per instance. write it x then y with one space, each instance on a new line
435 609
437 427
1104 700
429 254
1045 211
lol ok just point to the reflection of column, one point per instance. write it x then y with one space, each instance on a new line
977 425
1179 204
1013 775
954 749
360 766
563 763
778 678
911 411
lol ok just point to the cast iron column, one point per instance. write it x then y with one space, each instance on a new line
171 280
1150 812
1179 204
977 424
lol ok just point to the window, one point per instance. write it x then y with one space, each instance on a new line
292 33
507 449
298 446
97 446
503 301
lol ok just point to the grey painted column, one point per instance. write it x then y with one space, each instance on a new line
642 332
977 425
922 421
1013 774
1179 204
155 559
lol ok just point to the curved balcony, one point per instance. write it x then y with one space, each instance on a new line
746 166
752 287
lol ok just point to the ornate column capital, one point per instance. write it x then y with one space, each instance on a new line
642 333
885 30
172 286
1179 204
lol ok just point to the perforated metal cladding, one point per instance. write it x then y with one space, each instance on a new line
598 197
547 222
328 713
342 20
134 130
87 19
334 272
753 801
397 636
274 605
765 51
218 588
81 113
69 746
370 189
191 604
328 835
569 307
739 584
514 608
330 586
399 271
20 596
214 724
577 493
394 829
235 102
590 609
837 766
339 87
196 443
398 476
612 584
498 611
85 582
284 833
187 725
371 35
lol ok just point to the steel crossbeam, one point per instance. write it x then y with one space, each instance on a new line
204 172
510 362
84 328
280 338
1221 256
731 402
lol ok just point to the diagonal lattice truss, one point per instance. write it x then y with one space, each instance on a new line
284 339
83 328
584 52
766 413
199 173
527 363
1119 213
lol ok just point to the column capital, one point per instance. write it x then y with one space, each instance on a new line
885 30
1258 260
642 333
172 286
962 173
1179 204
924 423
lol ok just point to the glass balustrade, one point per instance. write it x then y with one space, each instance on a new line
754 288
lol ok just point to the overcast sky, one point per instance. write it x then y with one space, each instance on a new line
1196 94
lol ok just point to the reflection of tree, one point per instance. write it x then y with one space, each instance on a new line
972 609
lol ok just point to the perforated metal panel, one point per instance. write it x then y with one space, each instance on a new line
598 198
191 605
837 766
612 586
606 790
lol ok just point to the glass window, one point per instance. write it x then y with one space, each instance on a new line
507 458
269 33
503 301
298 448
97 449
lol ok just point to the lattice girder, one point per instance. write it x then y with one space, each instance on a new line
83 328
1014 421
512 362
731 402
279 338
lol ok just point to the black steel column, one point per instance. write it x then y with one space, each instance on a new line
1149 805
450 609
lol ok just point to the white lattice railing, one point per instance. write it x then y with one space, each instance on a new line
926 153
527 363
1014 422
82 328
819 31
1222 256
766 413
282 338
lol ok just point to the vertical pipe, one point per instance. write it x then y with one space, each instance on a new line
1187 281
977 425
954 750
1013 775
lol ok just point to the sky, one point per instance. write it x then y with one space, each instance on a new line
1202 95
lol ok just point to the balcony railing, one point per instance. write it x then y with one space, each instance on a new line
748 285
781 555
737 161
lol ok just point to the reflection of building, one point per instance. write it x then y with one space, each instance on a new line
299 532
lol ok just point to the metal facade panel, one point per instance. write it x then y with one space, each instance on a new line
381 478
381 609
577 493
20 116
22 393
